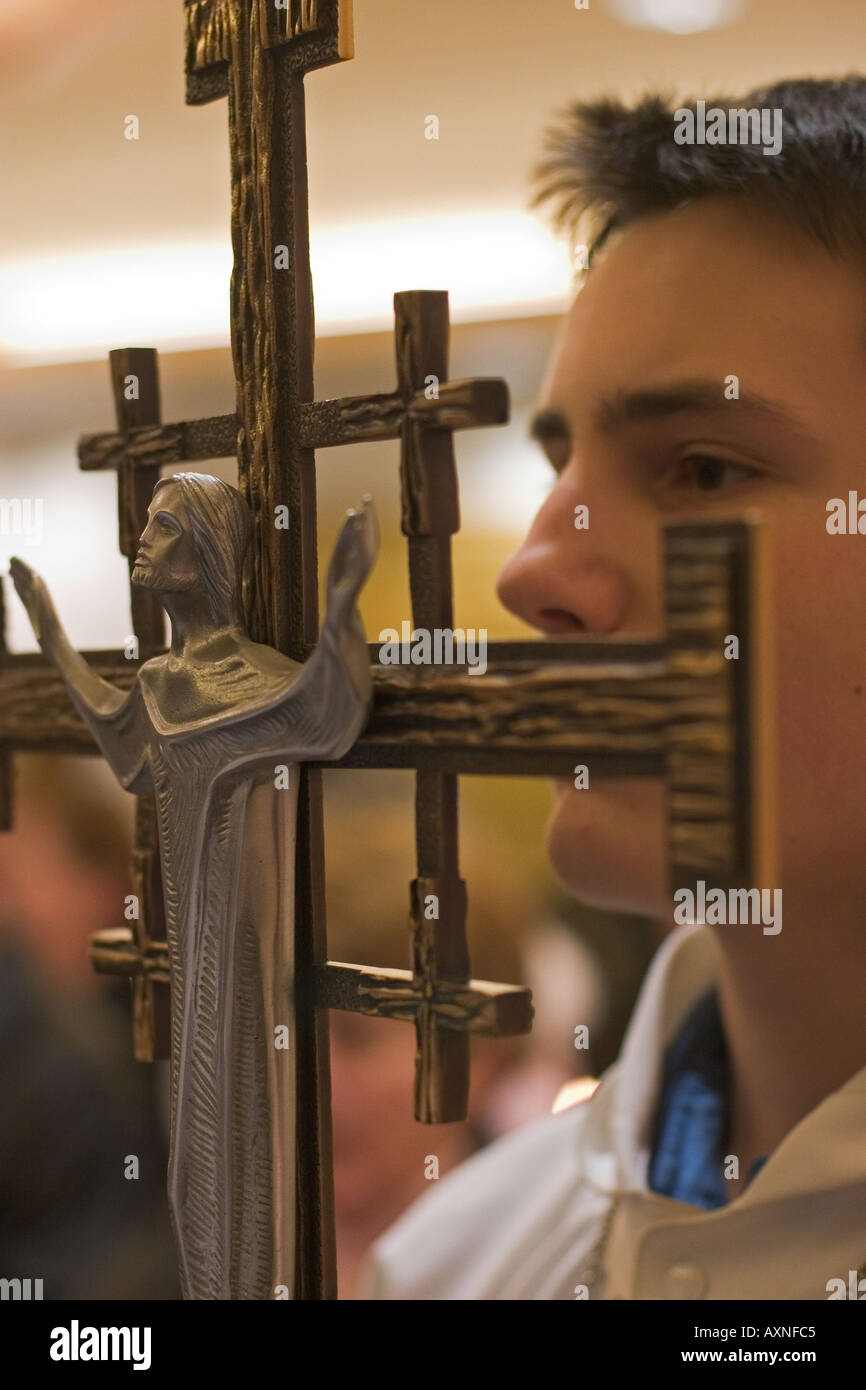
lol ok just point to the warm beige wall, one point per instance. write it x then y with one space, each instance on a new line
491 69
502 476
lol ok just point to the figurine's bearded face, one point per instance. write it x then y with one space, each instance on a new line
166 560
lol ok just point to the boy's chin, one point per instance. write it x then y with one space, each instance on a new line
606 845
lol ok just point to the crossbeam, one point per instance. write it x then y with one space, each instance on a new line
673 708
461 405
475 1006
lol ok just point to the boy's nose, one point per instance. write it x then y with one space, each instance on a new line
561 580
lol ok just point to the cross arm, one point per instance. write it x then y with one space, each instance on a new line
470 404
115 951
154 446
539 707
207 50
676 708
312 33
481 1007
515 718
36 712
476 402
471 1006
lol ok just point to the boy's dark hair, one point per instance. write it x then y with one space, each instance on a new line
610 164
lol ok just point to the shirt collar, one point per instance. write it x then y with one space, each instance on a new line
825 1150
690 1126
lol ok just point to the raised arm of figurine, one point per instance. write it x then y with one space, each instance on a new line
351 562
316 711
115 717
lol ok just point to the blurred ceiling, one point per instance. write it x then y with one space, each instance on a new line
491 70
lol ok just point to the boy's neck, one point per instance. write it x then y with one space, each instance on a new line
791 1007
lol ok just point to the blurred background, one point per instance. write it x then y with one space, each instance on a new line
108 241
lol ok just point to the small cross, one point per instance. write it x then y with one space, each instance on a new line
423 413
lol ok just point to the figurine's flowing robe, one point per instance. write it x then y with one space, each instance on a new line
227 845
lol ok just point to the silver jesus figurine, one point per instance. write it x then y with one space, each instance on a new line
206 728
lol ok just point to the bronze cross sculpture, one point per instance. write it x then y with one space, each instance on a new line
201 730
673 708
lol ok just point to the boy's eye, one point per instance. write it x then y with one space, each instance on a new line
709 474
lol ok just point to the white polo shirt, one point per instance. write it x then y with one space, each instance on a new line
525 1218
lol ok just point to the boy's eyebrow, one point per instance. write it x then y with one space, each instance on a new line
623 408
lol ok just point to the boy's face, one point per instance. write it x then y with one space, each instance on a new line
685 300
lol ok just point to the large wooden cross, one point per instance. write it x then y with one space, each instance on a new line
672 708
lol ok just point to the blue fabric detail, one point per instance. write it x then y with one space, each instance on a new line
687 1150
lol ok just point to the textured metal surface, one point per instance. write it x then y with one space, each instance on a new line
537 711
474 1006
156 446
139 409
201 732
135 388
430 515
710 755
460 405
116 951
239 49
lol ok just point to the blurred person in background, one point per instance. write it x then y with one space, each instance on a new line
382 1156
74 1104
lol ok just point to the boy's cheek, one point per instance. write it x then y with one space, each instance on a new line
820 668
606 845
821 656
